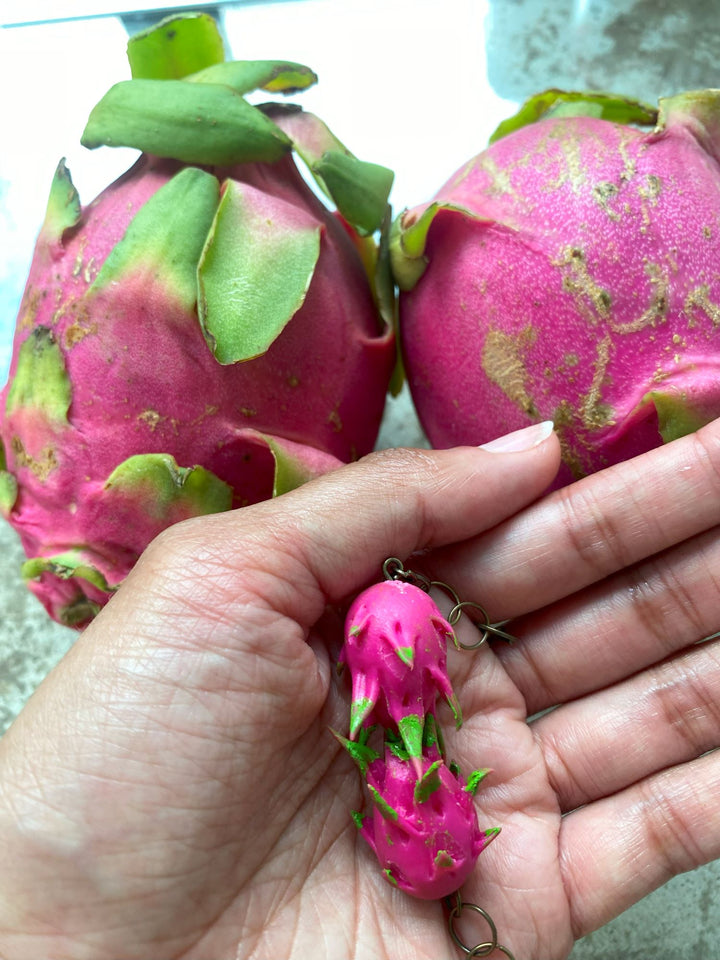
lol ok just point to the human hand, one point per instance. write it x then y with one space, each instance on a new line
172 789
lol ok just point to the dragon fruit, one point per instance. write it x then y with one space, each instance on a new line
396 651
204 334
423 830
570 272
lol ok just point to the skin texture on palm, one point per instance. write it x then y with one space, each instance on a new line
173 790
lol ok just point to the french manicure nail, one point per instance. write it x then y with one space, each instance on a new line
519 440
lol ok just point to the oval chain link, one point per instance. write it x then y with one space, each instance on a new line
393 569
483 949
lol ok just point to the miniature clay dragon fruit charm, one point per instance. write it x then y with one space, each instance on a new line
423 828
396 651
422 824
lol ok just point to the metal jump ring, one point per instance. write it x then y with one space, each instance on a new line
497 946
393 569
484 949
481 949
486 628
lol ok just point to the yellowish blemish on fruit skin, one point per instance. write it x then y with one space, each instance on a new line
628 136
461 174
76 332
699 299
499 177
90 271
572 172
335 421
504 365
603 193
41 466
656 312
707 232
30 307
78 265
151 418
248 412
594 414
592 301
562 419
649 190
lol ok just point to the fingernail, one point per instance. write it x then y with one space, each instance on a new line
519 440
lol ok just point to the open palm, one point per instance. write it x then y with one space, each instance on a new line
173 790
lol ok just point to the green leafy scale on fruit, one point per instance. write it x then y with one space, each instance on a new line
253 239
194 122
156 483
41 381
176 46
167 236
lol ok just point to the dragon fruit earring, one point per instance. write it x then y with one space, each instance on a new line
421 824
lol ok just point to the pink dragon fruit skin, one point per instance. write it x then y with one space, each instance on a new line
126 410
424 832
396 651
570 272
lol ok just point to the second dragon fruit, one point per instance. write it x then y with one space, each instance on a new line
570 272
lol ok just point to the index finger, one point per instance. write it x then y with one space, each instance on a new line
595 527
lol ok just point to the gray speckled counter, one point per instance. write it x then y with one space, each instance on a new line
445 72
30 643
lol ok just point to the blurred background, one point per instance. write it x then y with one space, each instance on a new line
416 85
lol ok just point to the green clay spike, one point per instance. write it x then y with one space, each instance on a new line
475 779
428 783
388 812
390 876
443 860
358 818
411 730
359 709
406 654
361 753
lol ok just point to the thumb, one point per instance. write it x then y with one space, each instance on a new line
326 539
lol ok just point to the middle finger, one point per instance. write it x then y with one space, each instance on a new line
617 627
665 716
